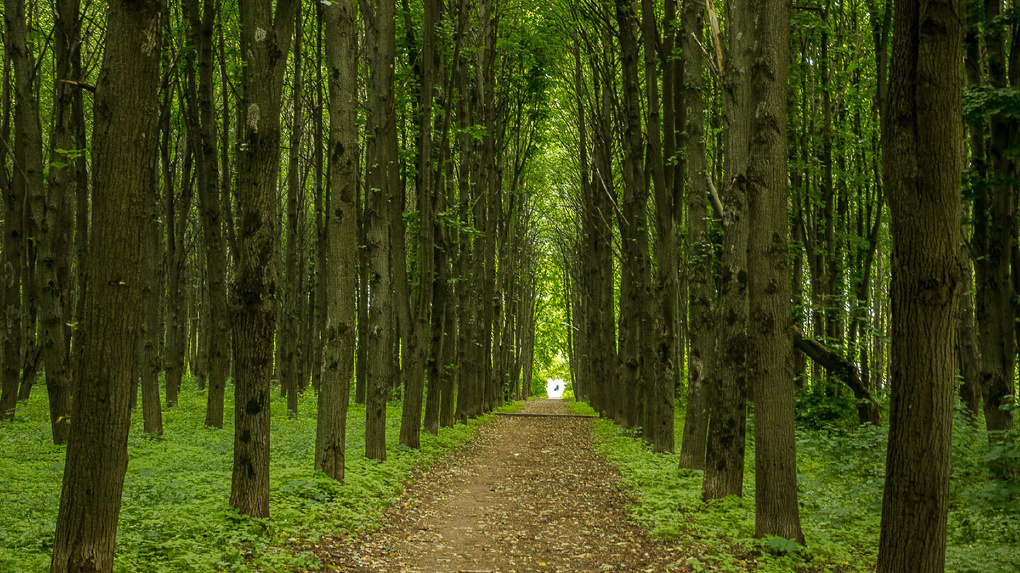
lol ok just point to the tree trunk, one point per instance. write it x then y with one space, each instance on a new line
922 159
411 422
289 339
724 467
382 181
635 271
55 248
152 324
664 368
264 40
770 330
27 174
334 393
701 289
124 146
995 213
204 144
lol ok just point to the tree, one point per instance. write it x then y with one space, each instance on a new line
202 132
410 423
265 35
341 236
724 466
701 288
635 266
770 324
381 197
922 159
26 175
663 388
124 146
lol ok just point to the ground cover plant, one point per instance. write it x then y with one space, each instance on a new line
175 515
840 470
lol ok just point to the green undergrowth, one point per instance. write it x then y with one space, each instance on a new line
840 479
175 515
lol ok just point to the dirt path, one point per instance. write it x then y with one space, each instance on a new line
528 494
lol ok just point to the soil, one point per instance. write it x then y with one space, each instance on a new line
528 494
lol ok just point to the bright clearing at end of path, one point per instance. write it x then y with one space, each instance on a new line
554 388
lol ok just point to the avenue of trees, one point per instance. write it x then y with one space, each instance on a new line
238 192
743 206
778 203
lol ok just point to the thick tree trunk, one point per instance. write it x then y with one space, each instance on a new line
724 467
922 159
770 330
25 177
635 272
338 360
265 36
701 289
411 422
382 181
663 387
124 146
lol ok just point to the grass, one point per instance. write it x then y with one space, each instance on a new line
840 478
175 515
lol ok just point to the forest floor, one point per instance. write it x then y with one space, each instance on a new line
528 494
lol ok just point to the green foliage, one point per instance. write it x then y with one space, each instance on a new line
841 471
815 410
175 515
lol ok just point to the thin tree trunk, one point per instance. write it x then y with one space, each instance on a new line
663 387
203 119
55 248
152 324
635 272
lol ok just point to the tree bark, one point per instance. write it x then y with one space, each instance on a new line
663 387
204 144
152 324
27 173
124 146
921 173
411 421
265 35
635 271
338 360
293 295
382 181
995 213
770 324
55 247
699 246
724 466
